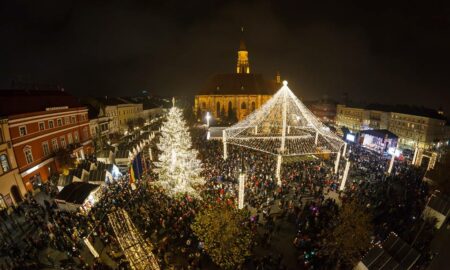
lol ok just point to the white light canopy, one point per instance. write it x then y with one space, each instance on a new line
283 126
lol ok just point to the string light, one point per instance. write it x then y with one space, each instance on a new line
137 251
178 167
284 126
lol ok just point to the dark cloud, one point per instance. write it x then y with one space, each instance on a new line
380 52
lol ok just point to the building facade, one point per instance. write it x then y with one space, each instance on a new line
99 127
234 96
350 117
12 189
419 127
415 130
36 137
41 123
128 113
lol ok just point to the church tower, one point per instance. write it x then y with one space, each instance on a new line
242 63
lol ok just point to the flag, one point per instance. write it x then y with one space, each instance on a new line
132 178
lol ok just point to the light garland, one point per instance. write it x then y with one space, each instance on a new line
284 126
137 251
178 167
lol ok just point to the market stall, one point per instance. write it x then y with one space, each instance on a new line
78 195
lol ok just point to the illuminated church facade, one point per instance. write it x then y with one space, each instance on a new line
232 96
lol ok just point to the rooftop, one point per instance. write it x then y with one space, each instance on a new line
76 192
239 84
393 253
400 108
14 101
439 203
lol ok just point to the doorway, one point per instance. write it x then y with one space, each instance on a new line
16 194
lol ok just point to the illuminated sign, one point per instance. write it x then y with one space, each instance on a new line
350 137
391 150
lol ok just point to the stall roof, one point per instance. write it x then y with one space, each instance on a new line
86 165
380 133
97 175
78 172
76 192
122 154
65 180
104 167
394 253
103 154
440 204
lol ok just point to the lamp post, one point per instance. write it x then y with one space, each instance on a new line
391 163
241 189
344 178
224 140
242 177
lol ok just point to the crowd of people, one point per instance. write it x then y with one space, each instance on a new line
302 200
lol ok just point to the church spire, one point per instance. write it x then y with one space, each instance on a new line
242 63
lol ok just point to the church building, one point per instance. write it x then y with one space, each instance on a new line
231 97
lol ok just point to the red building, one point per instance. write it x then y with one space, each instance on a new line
40 124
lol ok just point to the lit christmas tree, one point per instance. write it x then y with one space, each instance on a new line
178 166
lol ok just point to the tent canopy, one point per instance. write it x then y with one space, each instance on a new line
283 126
76 192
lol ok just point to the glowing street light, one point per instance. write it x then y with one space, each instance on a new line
208 116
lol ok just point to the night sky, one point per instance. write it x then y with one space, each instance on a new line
376 51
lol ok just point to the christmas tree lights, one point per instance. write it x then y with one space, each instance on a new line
178 166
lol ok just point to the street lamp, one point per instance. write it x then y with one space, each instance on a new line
208 116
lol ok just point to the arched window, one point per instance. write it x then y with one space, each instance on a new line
230 107
243 106
203 105
218 109
4 163
2 203
253 106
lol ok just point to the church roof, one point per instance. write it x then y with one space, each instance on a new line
239 84
242 46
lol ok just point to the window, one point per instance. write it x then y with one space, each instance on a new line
22 130
4 163
66 120
63 141
75 135
59 122
243 106
85 134
50 124
55 145
69 138
73 120
1 135
253 106
28 154
41 126
218 109
45 148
